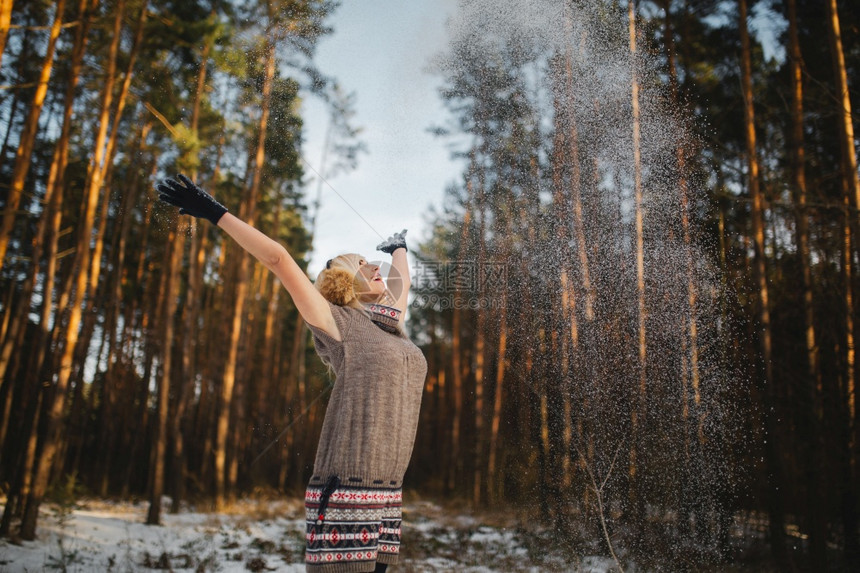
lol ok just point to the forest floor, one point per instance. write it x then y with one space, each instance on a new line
267 534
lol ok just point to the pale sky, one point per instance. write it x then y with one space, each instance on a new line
380 49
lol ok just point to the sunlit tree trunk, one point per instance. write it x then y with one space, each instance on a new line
200 425
24 153
81 265
572 145
117 362
690 372
4 323
494 481
5 22
266 403
77 420
772 449
7 387
54 192
576 231
849 357
31 385
479 458
137 332
191 311
455 460
159 443
637 412
248 213
851 189
684 196
555 406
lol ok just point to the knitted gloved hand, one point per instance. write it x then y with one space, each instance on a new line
191 199
392 243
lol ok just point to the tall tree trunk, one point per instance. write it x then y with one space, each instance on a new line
572 148
851 187
637 417
846 132
494 489
22 475
5 22
815 470
77 422
555 406
691 320
480 350
159 442
848 469
117 362
455 456
191 314
54 186
137 331
494 481
56 408
248 212
576 230
771 409
684 196
24 153
202 414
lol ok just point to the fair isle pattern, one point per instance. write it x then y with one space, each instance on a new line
346 494
357 528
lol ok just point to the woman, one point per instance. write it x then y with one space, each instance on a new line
354 496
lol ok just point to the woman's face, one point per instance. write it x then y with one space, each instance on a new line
371 284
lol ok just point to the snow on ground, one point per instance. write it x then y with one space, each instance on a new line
265 535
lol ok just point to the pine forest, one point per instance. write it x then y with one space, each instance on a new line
636 300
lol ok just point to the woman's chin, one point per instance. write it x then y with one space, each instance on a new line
370 297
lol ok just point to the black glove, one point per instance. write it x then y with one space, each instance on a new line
392 243
191 199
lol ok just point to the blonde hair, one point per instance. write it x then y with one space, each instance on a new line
340 279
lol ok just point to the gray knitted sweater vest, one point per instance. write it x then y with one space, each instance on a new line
372 415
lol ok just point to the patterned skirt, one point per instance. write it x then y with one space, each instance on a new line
350 529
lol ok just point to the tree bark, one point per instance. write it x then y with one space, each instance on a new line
848 468
816 467
574 164
638 413
159 443
5 22
56 408
191 313
106 171
479 351
24 153
771 413
851 187
455 457
248 212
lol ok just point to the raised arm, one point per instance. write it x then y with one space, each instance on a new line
311 304
400 263
192 200
399 285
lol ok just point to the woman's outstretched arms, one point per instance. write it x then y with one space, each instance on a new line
192 200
